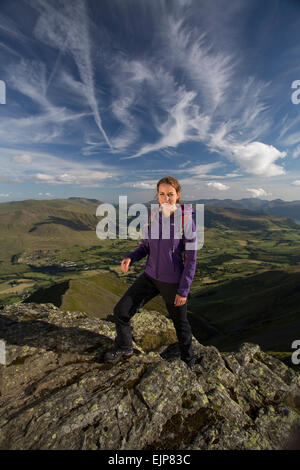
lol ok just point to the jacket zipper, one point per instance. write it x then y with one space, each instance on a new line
157 260
173 255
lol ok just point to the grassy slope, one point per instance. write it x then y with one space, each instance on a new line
262 308
241 252
99 294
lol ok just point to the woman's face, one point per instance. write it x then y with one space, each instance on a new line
167 194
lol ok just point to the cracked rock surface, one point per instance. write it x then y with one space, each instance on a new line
57 393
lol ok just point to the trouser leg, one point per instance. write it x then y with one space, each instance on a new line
180 320
183 330
141 291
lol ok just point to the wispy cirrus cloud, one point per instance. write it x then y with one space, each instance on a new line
172 84
182 125
207 113
296 152
48 122
203 170
67 29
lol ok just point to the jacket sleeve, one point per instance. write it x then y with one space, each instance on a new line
142 251
188 273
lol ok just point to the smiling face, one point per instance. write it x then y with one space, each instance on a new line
167 194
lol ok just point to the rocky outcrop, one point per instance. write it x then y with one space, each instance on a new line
56 393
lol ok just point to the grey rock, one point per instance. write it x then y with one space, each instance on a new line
57 393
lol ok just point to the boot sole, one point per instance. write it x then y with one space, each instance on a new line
114 361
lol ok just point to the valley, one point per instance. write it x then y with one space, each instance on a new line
245 286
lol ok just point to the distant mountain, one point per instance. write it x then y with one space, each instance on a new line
276 207
246 214
85 199
244 219
47 218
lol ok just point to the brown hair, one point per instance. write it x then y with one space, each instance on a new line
173 182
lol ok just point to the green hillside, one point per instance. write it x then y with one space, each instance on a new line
242 289
263 308
96 295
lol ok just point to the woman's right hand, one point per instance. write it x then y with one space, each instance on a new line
125 264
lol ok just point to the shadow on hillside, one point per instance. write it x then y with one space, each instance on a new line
52 294
262 308
78 225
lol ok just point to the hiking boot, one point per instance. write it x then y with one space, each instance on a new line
191 364
113 355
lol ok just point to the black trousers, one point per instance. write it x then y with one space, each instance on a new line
142 290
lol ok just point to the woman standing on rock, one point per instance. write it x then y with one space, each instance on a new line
166 273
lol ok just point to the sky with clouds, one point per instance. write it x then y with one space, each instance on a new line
104 98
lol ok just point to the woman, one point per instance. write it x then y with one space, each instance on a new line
166 273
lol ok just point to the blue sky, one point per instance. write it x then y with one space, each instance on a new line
104 98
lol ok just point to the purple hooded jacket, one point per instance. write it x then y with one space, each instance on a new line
165 254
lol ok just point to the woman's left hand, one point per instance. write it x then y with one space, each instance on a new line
179 300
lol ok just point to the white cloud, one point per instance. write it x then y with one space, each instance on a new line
256 158
258 192
23 159
232 175
182 165
143 185
296 183
75 176
217 185
146 184
202 170
50 169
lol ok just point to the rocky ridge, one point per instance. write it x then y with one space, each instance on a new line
56 393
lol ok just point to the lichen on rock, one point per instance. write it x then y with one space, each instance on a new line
57 393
